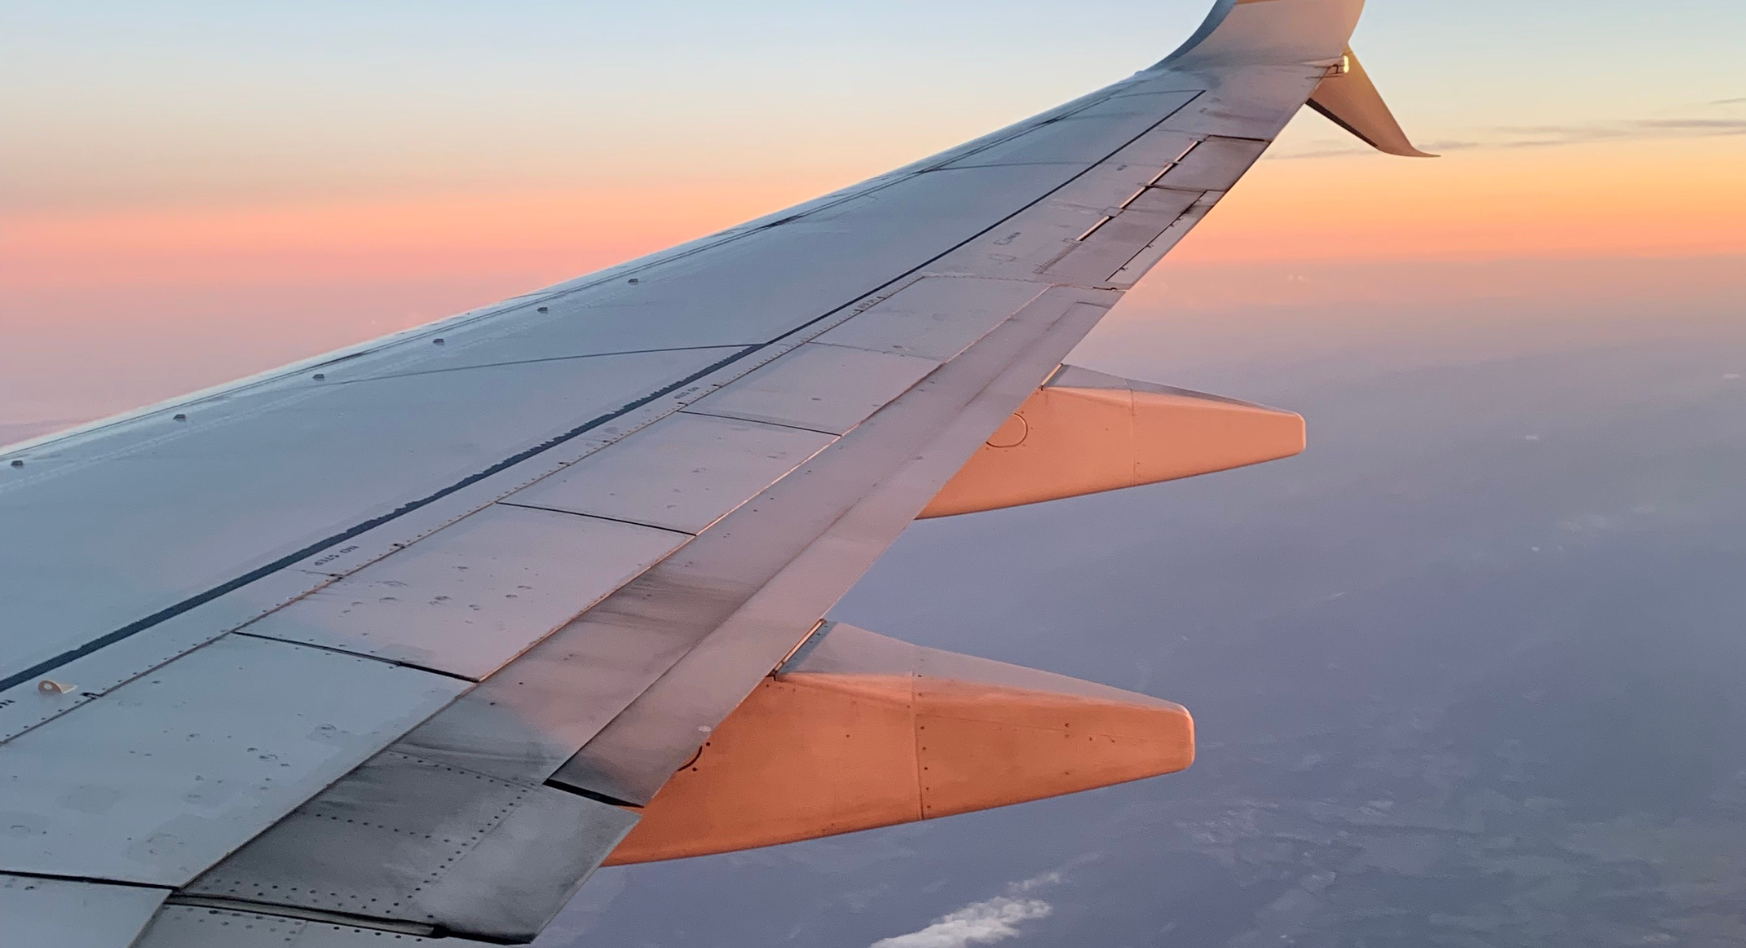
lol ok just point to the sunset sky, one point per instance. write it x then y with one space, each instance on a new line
1466 670
191 191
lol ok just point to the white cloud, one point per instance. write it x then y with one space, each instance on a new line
1034 883
981 923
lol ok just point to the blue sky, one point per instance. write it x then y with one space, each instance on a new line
132 102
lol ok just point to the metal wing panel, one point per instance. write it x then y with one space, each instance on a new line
787 274
1213 165
1112 241
1247 103
201 926
166 518
683 473
818 387
1244 34
164 776
69 914
446 848
471 597
934 318
1075 139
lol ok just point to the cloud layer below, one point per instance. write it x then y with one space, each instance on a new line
981 923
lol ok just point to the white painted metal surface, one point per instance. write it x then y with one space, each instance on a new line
62 913
1165 202
1240 35
198 926
1025 245
1157 150
475 594
818 387
1124 232
411 840
107 531
935 318
1245 103
523 722
682 473
1074 139
169 773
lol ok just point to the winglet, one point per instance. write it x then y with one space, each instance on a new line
1268 32
1350 100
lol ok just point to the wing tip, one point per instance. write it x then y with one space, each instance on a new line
1268 32
1349 99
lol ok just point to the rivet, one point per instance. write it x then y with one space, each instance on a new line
320 375
179 416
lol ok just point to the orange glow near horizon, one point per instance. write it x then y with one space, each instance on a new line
1612 199
1627 198
563 233
151 301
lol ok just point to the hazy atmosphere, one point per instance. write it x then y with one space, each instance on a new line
1467 672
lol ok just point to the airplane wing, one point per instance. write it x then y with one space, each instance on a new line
406 640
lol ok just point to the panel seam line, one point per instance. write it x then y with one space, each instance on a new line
348 652
593 516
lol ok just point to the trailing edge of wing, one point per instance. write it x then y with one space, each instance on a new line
1350 100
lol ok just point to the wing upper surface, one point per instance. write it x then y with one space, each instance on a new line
255 478
591 517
